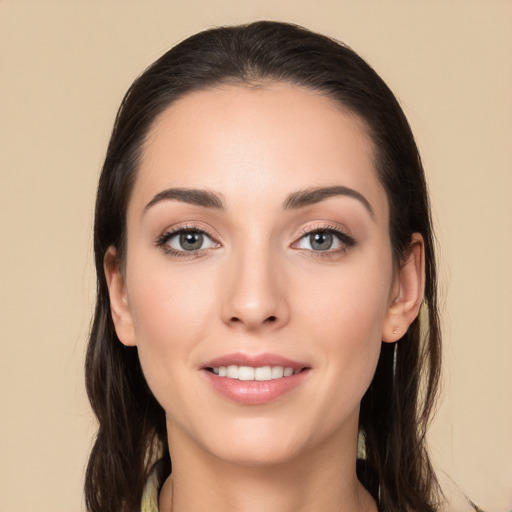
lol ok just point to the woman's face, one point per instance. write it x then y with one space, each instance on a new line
257 240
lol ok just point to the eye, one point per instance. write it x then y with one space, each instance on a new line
185 240
325 240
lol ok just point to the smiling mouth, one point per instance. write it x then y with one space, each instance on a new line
259 373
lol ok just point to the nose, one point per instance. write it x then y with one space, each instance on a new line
255 294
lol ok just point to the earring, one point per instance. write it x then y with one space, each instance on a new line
395 330
395 354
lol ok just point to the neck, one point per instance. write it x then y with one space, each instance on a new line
322 480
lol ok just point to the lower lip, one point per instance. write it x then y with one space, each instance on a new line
255 392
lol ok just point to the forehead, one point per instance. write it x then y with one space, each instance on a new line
257 141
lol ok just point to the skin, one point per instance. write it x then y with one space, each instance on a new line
258 286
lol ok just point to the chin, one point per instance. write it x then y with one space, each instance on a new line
257 453
253 441
272 441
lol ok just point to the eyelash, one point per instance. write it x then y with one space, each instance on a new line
164 238
345 239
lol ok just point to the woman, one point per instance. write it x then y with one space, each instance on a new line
266 315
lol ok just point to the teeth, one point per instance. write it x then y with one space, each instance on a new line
263 373
277 372
232 371
249 373
245 373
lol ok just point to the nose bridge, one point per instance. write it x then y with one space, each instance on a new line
255 295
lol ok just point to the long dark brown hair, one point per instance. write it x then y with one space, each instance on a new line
396 408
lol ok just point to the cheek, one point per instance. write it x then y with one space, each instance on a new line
167 308
351 301
172 314
345 317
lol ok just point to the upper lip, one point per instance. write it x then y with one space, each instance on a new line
254 360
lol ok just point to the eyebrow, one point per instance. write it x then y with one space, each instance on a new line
316 195
194 196
295 200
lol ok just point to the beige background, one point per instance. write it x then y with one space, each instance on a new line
64 68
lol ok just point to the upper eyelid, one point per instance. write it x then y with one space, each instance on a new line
190 226
326 226
167 234
298 233
343 235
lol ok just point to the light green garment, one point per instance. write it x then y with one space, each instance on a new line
150 495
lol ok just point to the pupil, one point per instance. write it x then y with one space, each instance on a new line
191 241
321 241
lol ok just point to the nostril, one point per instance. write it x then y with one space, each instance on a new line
240 320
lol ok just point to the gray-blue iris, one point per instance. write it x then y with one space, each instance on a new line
191 241
321 241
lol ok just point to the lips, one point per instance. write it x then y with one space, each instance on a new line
254 379
254 361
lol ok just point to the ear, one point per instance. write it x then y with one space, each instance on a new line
407 292
119 305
